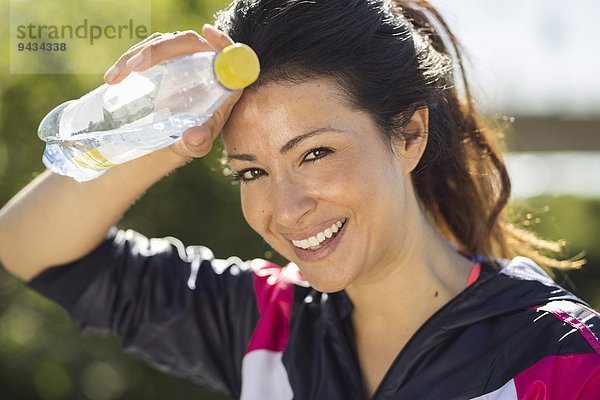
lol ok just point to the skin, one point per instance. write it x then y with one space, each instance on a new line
393 264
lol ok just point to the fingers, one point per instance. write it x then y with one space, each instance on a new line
113 74
154 49
161 46
152 37
196 142
220 117
170 46
217 38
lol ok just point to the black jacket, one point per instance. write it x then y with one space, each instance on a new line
257 331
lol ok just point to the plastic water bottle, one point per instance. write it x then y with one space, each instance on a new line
146 111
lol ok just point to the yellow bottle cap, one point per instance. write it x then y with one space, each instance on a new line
237 66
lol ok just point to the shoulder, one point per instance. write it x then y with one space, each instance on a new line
547 339
526 269
564 335
538 293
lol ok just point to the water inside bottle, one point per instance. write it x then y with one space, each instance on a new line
90 155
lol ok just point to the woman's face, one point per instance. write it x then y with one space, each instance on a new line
318 182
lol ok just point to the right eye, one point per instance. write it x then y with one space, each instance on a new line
247 175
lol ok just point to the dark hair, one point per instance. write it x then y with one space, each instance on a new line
390 58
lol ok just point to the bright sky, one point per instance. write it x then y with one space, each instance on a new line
531 56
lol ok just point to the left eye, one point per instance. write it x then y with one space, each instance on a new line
315 154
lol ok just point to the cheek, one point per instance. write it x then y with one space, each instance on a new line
355 181
373 190
254 210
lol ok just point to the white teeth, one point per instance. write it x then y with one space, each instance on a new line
314 242
306 244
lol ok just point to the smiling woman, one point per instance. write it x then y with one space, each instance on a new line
361 163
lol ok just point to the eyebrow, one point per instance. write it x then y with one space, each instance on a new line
286 148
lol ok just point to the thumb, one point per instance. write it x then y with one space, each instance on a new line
216 123
195 142
198 141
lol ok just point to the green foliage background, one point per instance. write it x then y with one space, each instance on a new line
41 353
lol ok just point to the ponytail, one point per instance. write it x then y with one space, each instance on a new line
462 179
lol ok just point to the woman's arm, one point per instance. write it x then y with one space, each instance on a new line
174 306
55 219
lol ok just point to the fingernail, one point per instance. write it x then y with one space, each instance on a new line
196 137
195 141
135 61
111 73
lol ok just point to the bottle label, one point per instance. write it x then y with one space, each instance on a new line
94 159
132 142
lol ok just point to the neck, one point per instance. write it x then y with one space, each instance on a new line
406 290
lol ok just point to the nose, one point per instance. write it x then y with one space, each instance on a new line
292 200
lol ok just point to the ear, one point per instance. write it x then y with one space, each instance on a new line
411 150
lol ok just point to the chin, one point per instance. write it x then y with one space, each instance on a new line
325 284
327 288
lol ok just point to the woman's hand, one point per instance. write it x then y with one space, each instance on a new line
196 141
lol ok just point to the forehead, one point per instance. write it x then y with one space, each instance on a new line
278 111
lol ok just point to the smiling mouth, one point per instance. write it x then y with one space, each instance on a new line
320 239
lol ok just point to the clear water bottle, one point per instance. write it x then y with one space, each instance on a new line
146 111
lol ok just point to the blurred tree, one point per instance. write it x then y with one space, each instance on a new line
574 220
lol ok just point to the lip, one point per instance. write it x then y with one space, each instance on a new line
329 247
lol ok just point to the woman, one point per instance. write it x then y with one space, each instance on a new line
360 164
